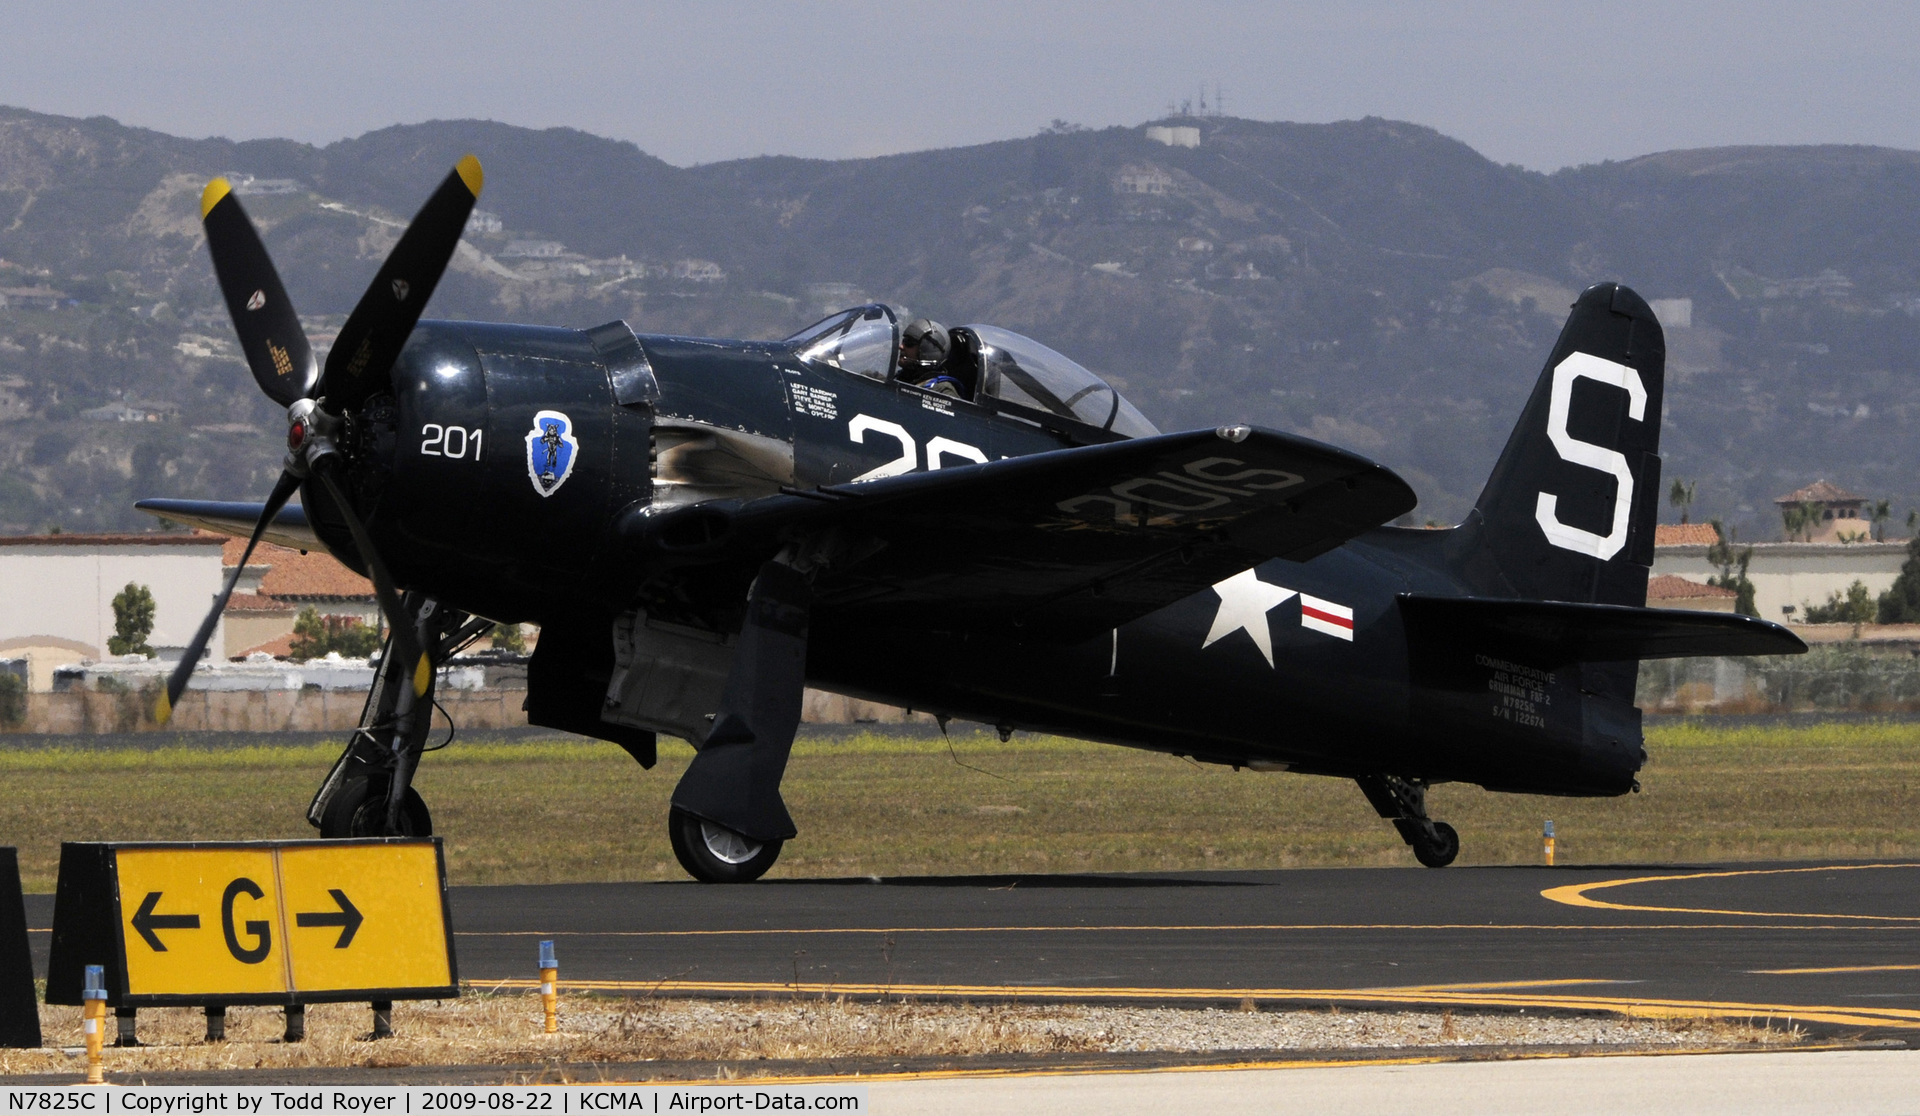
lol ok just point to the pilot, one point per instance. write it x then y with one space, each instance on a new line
925 346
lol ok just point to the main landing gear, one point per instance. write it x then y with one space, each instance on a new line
1404 802
369 792
715 854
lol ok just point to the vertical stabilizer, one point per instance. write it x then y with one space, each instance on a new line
1568 513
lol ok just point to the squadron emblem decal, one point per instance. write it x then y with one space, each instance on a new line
551 449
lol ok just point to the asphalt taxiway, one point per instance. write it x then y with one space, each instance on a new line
1835 944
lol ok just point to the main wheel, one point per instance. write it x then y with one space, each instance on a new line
359 809
1439 850
715 854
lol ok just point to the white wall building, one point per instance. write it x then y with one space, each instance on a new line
56 591
1795 573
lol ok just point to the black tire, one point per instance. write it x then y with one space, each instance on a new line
359 809
1439 850
715 854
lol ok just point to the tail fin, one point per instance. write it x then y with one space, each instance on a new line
1568 513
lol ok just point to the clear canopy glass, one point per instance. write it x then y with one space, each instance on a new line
863 340
866 341
1021 370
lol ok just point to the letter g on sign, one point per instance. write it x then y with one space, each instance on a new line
1577 452
257 928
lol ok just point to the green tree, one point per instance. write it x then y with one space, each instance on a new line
315 635
1681 496
1877 517
509 637
1853 607
1901 604
13 699
1723 554
132 621
1802 520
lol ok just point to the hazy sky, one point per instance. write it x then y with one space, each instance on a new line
1537 83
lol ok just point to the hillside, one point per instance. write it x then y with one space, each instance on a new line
1372 283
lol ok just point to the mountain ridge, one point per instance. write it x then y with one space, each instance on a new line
1371 282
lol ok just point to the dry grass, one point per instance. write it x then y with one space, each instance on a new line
891 805
506 1030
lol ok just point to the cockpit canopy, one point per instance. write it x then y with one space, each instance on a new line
988 360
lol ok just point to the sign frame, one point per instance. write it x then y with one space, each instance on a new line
90 927
19 1015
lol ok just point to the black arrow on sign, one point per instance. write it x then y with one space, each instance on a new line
348 918
146 922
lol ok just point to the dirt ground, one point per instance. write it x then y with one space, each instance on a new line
483 1029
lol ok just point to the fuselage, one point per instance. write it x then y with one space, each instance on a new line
487 505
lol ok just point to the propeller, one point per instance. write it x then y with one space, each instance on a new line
358 365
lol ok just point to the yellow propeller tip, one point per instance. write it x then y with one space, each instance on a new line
210 197
162 709
471 174
422 674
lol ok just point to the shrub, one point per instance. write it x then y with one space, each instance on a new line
315 635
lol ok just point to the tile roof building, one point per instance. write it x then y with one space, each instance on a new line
278 582
1786 576
1685 534
1838 511
1674 591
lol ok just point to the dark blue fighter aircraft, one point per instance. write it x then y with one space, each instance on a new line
702 528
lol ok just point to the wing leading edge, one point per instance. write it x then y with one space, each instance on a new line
236 518
1069 543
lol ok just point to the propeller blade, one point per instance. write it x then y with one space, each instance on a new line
370 342
405 643
283 489
270 334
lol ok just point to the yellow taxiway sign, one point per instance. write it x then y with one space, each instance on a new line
255 922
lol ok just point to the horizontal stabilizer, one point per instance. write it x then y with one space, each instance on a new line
232 517
1552 633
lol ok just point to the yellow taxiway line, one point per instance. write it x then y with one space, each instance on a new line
1466 1053
1575 895
1174 929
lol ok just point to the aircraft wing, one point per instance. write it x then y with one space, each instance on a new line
236 518
1071 542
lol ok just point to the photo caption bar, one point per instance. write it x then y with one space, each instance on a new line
376 1100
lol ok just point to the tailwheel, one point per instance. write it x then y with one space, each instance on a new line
359 809
1404 803
715 854
1437 848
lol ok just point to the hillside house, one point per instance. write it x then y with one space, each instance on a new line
698 271
1177 136
1142 180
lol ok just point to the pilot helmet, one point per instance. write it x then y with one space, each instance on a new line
930 340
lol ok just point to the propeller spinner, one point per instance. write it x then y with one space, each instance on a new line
357 367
